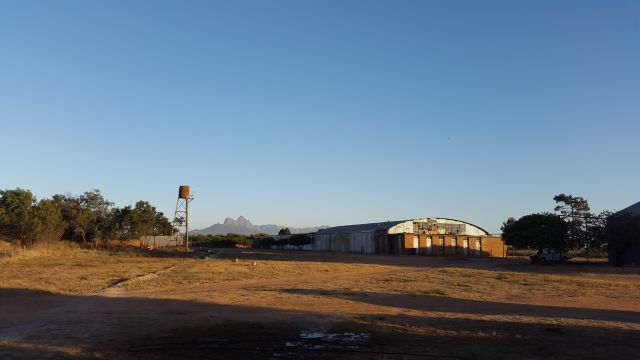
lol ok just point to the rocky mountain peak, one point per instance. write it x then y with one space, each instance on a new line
242 221
243 226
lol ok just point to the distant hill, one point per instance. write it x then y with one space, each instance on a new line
243 226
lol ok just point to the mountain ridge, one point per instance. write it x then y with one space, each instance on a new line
244 226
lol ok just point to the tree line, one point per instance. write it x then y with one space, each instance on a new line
228 240
572 226
296 240
88 218
264 241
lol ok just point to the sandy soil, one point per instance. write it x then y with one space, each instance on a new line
316 305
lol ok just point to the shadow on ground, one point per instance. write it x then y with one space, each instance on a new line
38 324
516 265
474 307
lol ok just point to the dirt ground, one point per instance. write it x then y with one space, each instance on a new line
244 304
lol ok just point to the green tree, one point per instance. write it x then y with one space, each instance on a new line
596 229
508 222
266 242
16 214
84 214
143 218
538 231
121 223
300 240
115 225
162 226
573 209
47 221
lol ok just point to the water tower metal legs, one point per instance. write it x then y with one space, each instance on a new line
180 225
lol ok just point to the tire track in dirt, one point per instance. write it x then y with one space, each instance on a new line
314 279
252 284
117 286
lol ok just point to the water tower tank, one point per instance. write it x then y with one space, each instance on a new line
183 192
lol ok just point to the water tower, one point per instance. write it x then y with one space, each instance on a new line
180 225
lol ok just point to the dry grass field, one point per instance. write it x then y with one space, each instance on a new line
242 304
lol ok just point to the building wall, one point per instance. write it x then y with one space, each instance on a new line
161 241
626 257
361 243
493 246
454 245
408 244
401 240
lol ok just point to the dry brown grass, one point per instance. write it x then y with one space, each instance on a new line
225 271
75 270
499 307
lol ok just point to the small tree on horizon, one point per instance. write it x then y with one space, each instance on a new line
538 231
300 240
574 210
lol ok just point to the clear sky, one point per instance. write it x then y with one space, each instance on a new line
324 112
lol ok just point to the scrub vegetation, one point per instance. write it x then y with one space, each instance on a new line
89 219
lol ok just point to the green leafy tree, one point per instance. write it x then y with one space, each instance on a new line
300 240
228 240
538 231
115 225
596 229
16 214
162 225
84 214
267 242
121 222
508 222
573 209
47 221
143 218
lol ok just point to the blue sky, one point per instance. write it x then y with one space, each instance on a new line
324 112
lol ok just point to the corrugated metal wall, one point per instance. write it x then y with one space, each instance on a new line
162 240
364 242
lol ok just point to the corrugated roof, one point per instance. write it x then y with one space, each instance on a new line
468 223
633 209
360 227
386 225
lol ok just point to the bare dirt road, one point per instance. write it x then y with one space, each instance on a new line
312 305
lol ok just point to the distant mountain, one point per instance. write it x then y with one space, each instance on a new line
243 226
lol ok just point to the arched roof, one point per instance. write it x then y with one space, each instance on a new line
407 226
401 226
468 223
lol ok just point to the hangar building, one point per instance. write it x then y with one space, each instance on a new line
424 236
